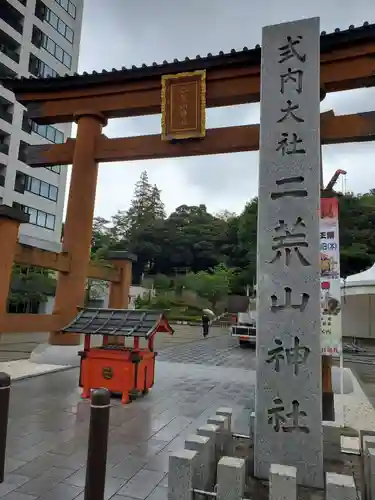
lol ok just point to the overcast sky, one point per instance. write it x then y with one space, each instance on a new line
120 33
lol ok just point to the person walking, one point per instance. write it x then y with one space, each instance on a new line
205 324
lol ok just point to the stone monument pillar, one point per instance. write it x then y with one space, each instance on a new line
288 416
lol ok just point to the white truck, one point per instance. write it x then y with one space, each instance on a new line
244 326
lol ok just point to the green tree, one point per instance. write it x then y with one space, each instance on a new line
136 229
146 205
241 246
96 289
357 232
31 284
212 285
191 239
161 282
101 234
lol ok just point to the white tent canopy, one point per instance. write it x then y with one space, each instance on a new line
359 284
358 304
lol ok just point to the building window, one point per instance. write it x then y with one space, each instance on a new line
42 41
43 13
38 217
48 132
36 186
68 6
54 168
40 68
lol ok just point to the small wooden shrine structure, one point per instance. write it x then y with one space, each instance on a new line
120 368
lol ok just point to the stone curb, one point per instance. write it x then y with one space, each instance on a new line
18 378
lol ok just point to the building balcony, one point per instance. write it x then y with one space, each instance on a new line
6 72
4 148
26 124
37 37
5 115
6 110
3 169
22 152
40 10
10 47
20 182
11 16
4 142
2 177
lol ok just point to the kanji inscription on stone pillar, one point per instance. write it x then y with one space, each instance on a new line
288 425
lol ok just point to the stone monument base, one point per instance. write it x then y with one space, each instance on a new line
60 354
216 462
342 470
47 354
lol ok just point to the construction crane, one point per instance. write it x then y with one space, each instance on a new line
329 187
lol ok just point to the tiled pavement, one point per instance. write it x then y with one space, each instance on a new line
47 437
223 351
365 373
19 346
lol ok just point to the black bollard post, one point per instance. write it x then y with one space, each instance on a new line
97 449
4 411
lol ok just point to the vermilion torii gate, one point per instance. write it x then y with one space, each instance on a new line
181 90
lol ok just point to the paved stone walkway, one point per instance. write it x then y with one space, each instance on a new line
365 372
48 428
19 346
223 351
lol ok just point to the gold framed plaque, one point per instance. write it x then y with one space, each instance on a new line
183 106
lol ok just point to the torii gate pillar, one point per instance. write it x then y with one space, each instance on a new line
10 220
119 292
70 291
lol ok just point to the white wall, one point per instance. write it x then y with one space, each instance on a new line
358 316
135 291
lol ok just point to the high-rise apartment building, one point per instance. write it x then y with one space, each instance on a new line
38 38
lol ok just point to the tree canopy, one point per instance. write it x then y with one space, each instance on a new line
192 240
212 285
